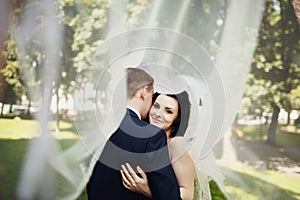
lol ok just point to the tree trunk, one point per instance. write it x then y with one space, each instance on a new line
2 108
57 129
2 81
273 125
10 107
28 107
261 127
296 4
288 118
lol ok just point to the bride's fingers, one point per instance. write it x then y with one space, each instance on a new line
128 175
124 178
132 173
125 181
141 172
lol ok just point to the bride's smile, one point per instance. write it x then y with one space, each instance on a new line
163 112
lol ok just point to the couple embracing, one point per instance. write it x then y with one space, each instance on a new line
145 157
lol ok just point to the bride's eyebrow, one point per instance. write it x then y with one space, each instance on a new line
173 109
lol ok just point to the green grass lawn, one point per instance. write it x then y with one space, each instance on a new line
26 129
15 136
247 182
242 182
256 183
257 132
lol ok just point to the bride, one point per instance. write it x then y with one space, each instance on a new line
169 112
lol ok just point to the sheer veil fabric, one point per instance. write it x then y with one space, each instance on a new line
177 62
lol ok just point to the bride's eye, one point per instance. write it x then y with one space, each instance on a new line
156 105
169 111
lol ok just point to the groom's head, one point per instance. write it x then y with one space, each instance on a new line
139 90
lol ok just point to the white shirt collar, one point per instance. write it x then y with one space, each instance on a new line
135 111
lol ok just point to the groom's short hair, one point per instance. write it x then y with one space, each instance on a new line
137 78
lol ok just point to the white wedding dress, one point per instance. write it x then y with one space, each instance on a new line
202 189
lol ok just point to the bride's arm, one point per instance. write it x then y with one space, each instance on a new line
185 172
184 168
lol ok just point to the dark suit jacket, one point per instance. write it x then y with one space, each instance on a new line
140 144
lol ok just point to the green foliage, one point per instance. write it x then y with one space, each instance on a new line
216 193
136 10
203 21
24 64
86 25
275 72
85 21
295 98
12 71
12 74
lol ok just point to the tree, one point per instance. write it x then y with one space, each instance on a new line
86 26
275 71
14 85
296 5
86 23
7 9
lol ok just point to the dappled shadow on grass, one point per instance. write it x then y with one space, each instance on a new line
238 184
288 142
69 129
262 155
65 126
13 116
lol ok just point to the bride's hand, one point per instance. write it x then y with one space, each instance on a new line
133 182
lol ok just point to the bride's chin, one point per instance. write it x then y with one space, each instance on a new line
159 125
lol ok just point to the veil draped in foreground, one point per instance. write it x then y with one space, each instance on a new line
172 55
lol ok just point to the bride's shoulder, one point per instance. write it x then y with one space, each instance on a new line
178 144
178 141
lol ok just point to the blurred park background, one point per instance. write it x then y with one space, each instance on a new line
259 156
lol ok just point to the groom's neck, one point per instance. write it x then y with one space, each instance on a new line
135 105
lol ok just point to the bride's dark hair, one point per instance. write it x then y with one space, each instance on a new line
180 125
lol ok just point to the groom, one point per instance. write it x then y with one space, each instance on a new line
138 143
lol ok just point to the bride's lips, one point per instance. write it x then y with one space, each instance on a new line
157 120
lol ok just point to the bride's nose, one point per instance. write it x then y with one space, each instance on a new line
158 113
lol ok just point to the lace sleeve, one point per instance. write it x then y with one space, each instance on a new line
207 170
202 190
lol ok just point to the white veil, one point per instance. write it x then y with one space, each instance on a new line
171 56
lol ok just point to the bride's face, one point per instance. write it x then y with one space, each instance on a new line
164 112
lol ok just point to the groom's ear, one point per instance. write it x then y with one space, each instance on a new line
144 91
